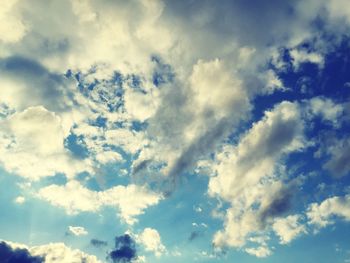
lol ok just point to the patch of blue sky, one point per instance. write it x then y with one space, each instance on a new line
76 145
25 220
105 91
135 82
138 126
100 122
328 81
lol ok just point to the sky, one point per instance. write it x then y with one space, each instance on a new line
174 131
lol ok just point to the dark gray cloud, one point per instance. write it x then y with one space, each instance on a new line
194 235
339 163
279 205
202 146
124 251
335 149
41 86
98 243
10 255
250 22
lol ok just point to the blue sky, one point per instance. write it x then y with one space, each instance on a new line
174 131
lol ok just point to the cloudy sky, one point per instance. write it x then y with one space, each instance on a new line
174 131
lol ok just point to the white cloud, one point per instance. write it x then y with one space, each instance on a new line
19 200
192 44
13 94
260 252
83 10
301 56
279 132
151 240
322 214
139 105
12 28
273 83
198 209
129 141
247 176
338 9
33 145
130 200
108 156
217 93
216 88
194 118
78 230
288 228
118 41
327 109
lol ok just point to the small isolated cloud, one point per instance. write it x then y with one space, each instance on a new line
260 252
198 209
19 200
98 243
124 251
194 235
77 230
323 214
151 240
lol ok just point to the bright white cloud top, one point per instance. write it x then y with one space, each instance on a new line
168 131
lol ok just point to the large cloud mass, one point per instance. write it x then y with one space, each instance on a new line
110 104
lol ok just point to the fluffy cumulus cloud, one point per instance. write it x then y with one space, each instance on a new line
12 27
201 117
322 214
151 240
108 22
130 200
288 228
300 56
327 109
33 145
247 176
